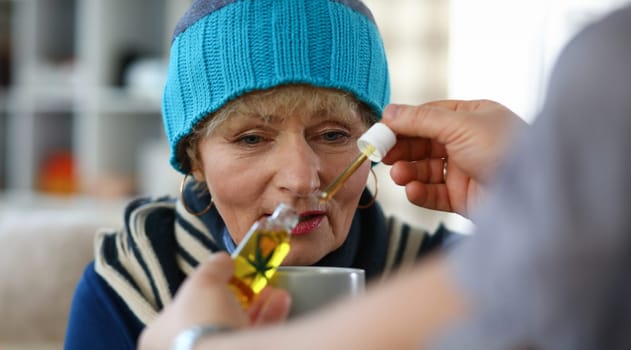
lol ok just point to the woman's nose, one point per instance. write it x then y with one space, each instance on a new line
299 169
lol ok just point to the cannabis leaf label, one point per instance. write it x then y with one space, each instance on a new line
263 254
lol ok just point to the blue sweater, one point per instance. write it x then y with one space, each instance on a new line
99 318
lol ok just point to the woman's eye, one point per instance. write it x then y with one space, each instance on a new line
333 136
250 139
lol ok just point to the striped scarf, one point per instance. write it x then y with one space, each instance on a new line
161 243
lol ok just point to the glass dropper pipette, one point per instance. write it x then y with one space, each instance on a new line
373 144
339 181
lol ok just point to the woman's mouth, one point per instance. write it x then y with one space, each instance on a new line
308 222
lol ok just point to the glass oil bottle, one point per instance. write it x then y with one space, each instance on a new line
261 252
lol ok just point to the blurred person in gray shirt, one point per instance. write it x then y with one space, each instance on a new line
549 263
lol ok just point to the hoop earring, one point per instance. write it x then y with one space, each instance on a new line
374 197
203 211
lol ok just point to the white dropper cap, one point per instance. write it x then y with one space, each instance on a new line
380 137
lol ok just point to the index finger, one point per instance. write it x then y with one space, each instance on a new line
431 120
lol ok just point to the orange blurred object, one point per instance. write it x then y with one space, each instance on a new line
57 174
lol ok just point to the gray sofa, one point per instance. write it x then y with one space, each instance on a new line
44 246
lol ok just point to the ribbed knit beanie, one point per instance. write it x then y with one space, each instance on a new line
222 49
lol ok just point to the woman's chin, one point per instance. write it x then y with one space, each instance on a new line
295 258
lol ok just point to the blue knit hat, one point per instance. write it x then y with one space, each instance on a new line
223 49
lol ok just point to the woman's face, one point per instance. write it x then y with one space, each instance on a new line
257 159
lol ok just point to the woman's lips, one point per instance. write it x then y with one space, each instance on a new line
308 222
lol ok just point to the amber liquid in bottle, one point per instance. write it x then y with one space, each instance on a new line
261 252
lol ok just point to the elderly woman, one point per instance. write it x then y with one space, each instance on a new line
263 104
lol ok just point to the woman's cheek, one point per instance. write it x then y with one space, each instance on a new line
356 184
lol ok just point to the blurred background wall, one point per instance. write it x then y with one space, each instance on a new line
463 49
80 82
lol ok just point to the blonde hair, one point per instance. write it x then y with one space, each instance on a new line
285 98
